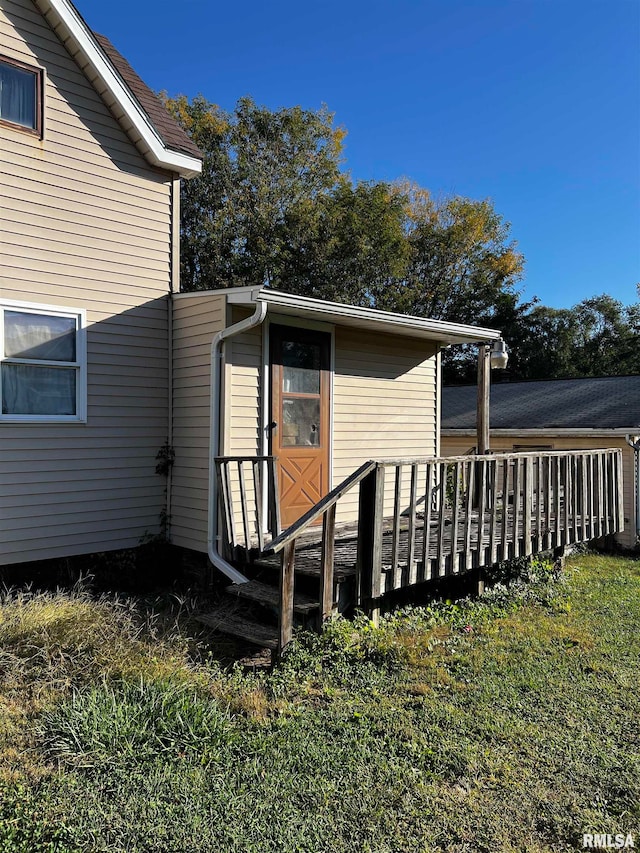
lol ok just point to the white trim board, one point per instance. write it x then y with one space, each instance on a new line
77 37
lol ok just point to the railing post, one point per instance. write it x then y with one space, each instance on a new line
620 490
225 499
427 572
467 559
482 495
326 564
369 559
442 469
527 505
256 467
455 519
412 574
394 579
287 573
244 506
274 500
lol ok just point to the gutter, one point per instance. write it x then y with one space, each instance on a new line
371 319
215 413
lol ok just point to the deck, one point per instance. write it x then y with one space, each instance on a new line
418 520
441 557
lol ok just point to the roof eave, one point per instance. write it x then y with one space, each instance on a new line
303 306
81 44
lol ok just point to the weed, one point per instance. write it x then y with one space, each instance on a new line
133 722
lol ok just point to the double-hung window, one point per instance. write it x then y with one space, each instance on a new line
20 95
43 365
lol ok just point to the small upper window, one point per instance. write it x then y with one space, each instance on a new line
20 95
43 364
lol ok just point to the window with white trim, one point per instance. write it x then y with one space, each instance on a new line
43 364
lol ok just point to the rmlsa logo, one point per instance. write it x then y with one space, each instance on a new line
608 842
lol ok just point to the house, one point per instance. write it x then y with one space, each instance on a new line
289 419
341 405
323 387
91 165
555 415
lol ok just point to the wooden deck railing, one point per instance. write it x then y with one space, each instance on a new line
475 511
422 519
244 483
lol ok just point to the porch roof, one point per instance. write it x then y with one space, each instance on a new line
363 318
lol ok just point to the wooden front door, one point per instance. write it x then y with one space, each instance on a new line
300 419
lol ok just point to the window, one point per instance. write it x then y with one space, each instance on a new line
20 95
43 369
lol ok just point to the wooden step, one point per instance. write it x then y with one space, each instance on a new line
265 594
265 636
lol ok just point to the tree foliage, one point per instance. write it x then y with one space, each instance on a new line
597 337
274 206
258 166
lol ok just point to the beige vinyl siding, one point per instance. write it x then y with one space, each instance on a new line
384 404
242 394
384 401
628 538
243 391
456 445
196 320
84 224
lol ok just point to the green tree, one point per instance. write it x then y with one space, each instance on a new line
462 262
273 205
597 337
259 166
346 245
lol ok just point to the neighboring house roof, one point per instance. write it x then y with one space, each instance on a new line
143 117
355 316
603 403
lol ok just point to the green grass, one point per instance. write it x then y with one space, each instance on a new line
507 724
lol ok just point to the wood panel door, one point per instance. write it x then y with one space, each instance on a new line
300 417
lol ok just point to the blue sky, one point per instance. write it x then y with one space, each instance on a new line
534 104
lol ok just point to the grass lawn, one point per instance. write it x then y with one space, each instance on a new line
507 724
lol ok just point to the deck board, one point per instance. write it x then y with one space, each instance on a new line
308 548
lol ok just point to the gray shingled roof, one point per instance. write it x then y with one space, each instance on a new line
172 135
610 402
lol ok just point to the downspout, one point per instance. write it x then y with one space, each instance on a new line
215 413
170 419
174 287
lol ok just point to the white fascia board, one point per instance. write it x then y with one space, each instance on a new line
244 295
83 41
369 318
582 432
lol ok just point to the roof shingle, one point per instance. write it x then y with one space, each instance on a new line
608 402
167 128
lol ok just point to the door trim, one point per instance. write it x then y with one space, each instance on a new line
265 403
